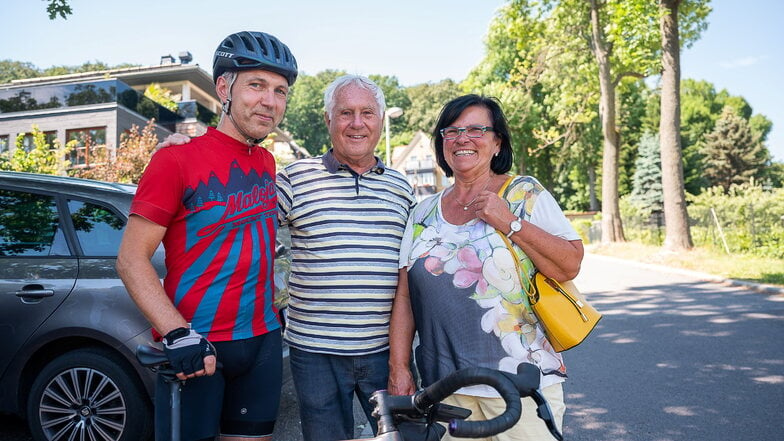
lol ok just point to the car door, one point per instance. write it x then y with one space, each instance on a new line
37 270
99 300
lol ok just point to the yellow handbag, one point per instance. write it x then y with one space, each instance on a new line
566 317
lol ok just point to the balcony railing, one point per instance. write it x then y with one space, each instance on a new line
22 99
423 165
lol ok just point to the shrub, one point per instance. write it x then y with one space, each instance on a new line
749 219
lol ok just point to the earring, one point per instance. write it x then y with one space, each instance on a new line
496 154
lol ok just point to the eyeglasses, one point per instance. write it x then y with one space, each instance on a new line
470 131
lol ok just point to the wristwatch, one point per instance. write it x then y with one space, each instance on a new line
515 226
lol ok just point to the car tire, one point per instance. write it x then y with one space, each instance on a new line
89 393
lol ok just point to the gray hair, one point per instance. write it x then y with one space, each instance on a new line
229 76
357 80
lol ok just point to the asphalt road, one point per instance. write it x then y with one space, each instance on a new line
674 358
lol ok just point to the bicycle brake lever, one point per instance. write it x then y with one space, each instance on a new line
446 413
544 412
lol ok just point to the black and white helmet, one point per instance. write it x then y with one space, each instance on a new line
254 50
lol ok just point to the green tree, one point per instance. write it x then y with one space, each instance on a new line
15 70
633 96
733 155
773 176
646 182
676 218
58 7
162 96
625 42
129 161
513 70
395 96
42 158
701 107
305 111
425 103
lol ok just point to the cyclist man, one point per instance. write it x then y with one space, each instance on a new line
213 205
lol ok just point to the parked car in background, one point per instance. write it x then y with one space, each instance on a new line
68 329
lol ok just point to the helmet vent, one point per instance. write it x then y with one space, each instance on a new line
247 43
277 51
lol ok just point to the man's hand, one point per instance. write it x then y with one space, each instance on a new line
401 382
173 139
190 354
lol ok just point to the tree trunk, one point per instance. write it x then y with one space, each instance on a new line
677 235
593 201
612 229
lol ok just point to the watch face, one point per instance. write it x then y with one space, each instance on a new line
516 225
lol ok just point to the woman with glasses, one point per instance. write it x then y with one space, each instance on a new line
460 288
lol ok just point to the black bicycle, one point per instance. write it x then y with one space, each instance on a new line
416 417
413 417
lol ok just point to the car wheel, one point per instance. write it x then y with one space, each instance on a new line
88 394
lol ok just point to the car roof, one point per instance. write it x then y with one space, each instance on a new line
49 181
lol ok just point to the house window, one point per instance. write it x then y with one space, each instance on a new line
4 146
88 145
28 143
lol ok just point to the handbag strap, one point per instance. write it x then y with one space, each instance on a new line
529 291
502 190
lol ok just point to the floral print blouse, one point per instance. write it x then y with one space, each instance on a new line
469 306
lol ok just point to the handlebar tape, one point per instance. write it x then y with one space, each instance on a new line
468 377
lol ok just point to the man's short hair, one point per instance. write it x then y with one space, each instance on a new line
357 80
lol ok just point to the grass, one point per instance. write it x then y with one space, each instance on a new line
740 267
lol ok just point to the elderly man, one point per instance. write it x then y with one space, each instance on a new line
346 213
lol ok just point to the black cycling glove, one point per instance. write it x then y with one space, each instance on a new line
186 350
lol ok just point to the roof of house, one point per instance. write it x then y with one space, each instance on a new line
133 76
401 153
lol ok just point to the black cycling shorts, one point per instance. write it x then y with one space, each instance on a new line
241 399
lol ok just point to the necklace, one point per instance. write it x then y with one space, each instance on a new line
465 206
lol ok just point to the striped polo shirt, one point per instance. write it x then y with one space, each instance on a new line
345 238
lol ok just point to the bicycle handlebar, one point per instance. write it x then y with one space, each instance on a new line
468 377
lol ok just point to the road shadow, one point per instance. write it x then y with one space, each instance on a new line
696 361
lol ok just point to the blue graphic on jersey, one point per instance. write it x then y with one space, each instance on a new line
233 220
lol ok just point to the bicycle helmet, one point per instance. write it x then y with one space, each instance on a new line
254 50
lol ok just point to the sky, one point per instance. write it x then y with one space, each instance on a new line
421 41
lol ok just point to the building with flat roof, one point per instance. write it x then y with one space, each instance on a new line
102 105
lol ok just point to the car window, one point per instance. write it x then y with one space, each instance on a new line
98 229
30 225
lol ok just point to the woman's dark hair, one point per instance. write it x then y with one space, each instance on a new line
499 164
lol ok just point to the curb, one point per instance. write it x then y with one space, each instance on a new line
705 277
